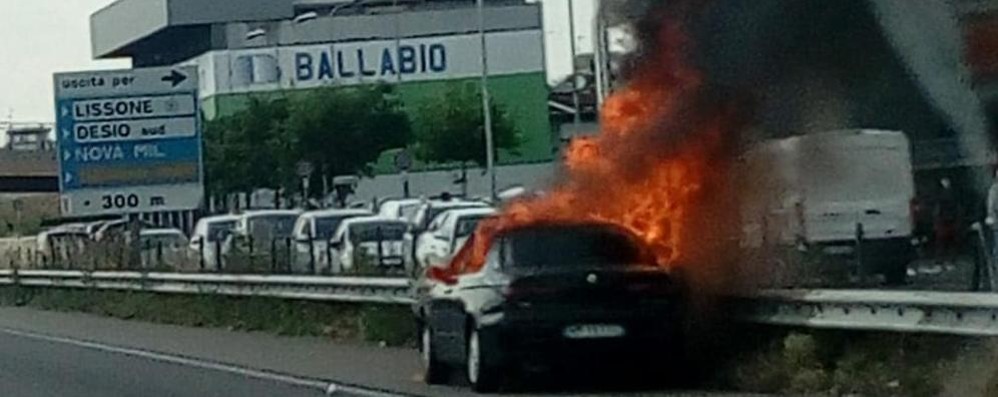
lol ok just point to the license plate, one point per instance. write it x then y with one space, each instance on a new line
593 331
838 250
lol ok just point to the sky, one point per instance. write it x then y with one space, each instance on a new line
42 37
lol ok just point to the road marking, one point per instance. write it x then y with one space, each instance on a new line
329 388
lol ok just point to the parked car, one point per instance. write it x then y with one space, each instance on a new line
375 240
421 222
400 208
117 228
209 236
259 232
312 233
545 294
447 233
63 246
165 249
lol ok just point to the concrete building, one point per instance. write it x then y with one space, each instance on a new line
270 48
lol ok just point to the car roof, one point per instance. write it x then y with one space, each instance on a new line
371 219
220 218
471 211
337 211
161 232
258 213
401 201
456 203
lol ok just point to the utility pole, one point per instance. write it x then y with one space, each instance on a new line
575 75
490 159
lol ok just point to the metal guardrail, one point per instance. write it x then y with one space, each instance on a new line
339 289
957 313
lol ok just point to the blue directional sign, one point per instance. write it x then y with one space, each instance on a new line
129 141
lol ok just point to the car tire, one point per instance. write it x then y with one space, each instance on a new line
481 368
434 371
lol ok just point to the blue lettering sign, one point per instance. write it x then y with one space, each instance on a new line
325 67
407 59
387 63
303 65
341 66
360 64
438 58
422 58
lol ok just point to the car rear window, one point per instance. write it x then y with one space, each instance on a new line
219 231
573 246
382 231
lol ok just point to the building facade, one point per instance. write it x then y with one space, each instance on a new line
271 48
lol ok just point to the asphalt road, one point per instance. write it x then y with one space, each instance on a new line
68 354
31 367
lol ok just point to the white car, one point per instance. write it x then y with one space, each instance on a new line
63 245
403 208
447 234
209 236
258 231
163 248
376 238
312 233
421 222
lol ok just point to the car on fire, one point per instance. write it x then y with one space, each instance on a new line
545 295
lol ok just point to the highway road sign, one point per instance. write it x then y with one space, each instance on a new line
129 141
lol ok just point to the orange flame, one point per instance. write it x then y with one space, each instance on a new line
649 170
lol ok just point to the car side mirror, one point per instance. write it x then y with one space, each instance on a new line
442 275
336 245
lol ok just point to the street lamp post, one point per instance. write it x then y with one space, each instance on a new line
486 104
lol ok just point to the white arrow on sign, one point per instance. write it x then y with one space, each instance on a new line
65 133
65 111
66 155
68 178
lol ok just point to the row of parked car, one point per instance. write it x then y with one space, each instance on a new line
399 235
396 236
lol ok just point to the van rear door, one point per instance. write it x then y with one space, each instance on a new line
853 178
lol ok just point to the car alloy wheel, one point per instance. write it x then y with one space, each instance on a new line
474 358
434 371
482 370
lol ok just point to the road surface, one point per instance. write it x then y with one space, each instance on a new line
59 354
31 367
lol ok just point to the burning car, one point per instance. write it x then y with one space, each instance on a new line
545 292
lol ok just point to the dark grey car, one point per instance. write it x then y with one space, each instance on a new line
547 295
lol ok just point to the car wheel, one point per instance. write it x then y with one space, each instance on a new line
482 370
434 372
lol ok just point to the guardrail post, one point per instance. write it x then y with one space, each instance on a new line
273 255
159 254
860 269
311 252
218 256
287 254
201 242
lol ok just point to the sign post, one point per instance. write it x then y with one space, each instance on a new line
403 162
129 141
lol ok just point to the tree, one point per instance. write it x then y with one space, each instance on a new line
342 130
450 128
248 149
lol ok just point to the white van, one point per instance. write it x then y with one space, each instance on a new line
839 193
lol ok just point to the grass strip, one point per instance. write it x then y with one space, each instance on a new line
390 325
